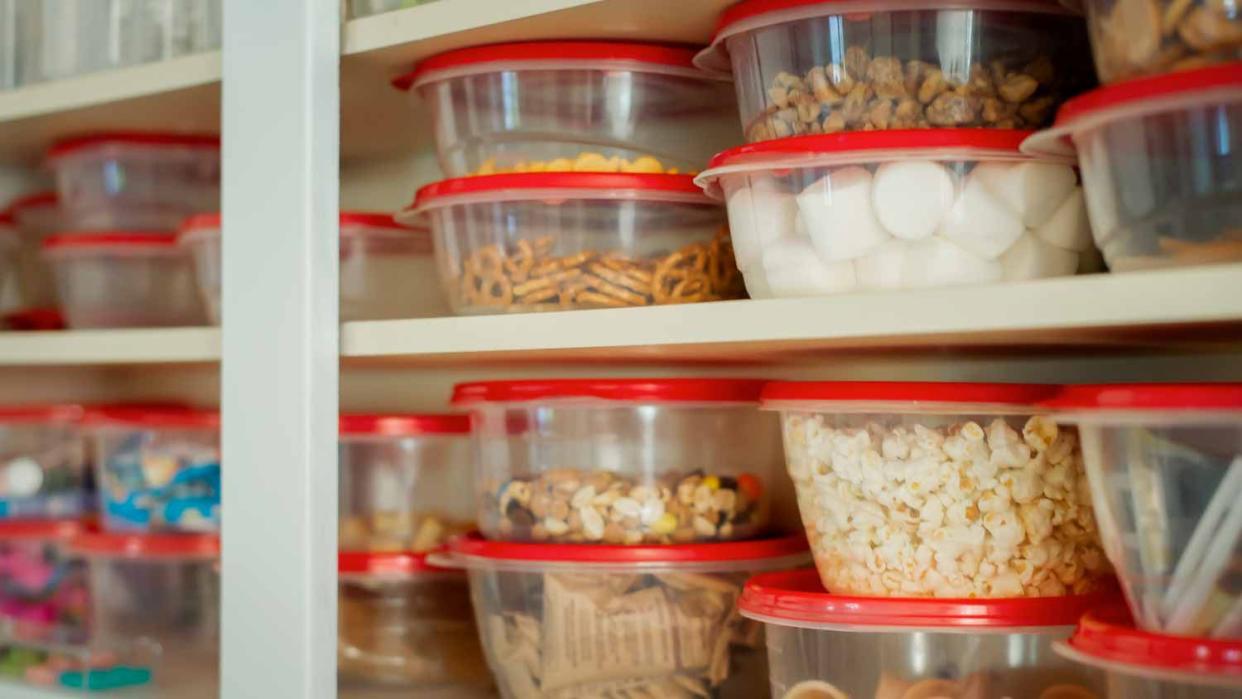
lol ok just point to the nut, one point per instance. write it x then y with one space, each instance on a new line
388 531
584 162
1143 37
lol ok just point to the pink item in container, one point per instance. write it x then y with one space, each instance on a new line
43 592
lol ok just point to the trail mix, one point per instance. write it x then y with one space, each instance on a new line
527 276
389 532
584 162
1140 37
570 505
865 93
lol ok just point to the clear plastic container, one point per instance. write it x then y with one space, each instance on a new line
1159 159
622 461
820 66
1150 37
509 105
405 624
158 469
387 270
43 470
559 620
76 669
10 250
120 279
159 593
36 216
903 209
828 646
406 481
68 37
364 8
938 489
1145 665
43 592
544 242
141 181
1165 466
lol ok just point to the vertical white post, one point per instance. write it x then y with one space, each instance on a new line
281 122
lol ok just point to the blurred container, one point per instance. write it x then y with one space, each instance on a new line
43 472
1132 38
43 593
37 216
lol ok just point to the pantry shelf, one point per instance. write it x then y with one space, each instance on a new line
87 347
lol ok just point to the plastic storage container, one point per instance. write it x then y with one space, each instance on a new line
36 216
121 279
160 593
561 620
1144 665
1159 159
938 489
406 481
539 242
43 469
826 646
136 180
819 215
823 66
43 592
10 250
387 270
1160 36
1165 466
621 461
158 468
405 624
541 105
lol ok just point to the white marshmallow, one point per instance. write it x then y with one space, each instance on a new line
757 282
1033 258
911 198
1100 193
1068 228
939 262
980 222
758 215
792 268
1033 190
882 268
838 215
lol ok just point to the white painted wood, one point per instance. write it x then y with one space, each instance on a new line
129 346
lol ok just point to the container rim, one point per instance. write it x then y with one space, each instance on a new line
1108 635
41 412
32 200
1142 397
472 551
370 219
393 564
906 396
151 416
134 138
135 545
731 391
109 239
404 425
555 186
65 529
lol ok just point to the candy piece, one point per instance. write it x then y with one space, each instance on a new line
793 269
980 222
758 215
839 217
911 198
1033 190
1033 258
882 268
939 262
1068 228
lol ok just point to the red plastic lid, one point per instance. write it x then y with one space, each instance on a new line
392 564
596 53
1110 635
1150 396
474 545
404 425
150 416
148 545
135 138
1006 140
41 528
40 413
370 219
633 390
33 200
109 239
34 319
796 598
1016 394
558 186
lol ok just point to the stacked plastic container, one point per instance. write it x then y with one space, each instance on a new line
619 519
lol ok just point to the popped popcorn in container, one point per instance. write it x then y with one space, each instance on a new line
43 471
911 489
43 591
829 646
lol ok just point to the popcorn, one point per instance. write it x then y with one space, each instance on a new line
968 509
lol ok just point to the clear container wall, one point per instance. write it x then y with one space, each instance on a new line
35 284
907 69
44 469
943 505
125 289
388 274
1132 687
539 256
165 479
1131 39
43 593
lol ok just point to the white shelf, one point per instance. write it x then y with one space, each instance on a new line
138 346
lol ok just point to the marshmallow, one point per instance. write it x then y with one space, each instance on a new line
838 215
759 214
912 197
980 222
882 268
1100 193
1033 190
792 268
1068 228
1033 258
939 262
757 282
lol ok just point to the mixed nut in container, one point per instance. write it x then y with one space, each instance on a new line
43 587
43 471
509 106
829 646
939 489
622 461
901 209
556 241
1132 38
562 621
406 482
824 66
